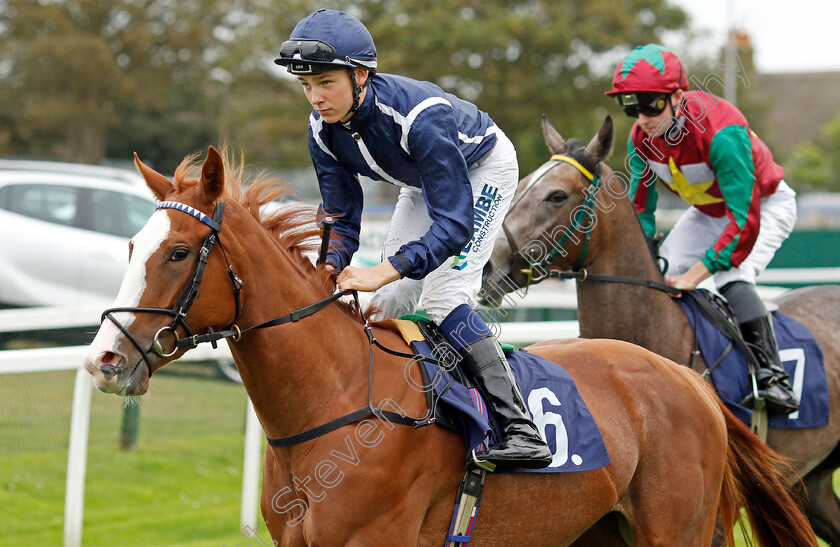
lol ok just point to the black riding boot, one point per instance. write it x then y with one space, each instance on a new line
772 379
521 444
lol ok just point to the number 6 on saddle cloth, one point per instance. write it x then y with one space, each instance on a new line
553 400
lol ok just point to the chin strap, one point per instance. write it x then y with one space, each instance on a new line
357 89
674 117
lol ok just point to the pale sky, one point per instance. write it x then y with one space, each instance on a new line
787 35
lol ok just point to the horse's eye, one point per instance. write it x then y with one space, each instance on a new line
179 254
557 196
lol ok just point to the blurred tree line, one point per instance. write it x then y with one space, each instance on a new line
81 80
815 165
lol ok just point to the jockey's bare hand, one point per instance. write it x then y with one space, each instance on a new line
367 279
690 279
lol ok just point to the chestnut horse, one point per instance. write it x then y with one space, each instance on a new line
615 246
677 455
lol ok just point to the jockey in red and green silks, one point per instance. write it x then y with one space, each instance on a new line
702 149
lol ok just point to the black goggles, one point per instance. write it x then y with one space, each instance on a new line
308 50
649 104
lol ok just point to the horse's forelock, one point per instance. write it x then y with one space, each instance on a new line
188 173
577 150
574 144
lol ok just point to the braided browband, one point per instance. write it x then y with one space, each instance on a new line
192 211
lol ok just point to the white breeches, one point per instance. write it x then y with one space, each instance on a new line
458 280
695 232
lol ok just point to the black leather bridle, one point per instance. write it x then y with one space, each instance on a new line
190 293
179 310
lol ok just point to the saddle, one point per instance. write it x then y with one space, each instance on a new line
576 440
425 339
715 309
716 335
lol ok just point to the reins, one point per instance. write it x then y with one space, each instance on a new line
583 275
377 411
182 305
393 417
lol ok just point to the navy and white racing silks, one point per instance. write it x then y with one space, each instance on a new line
407 133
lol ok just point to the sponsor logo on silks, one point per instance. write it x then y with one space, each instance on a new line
484 211
460 262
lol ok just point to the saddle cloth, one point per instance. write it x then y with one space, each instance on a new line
800 354
555 404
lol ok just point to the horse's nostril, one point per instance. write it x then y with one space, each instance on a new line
109 363
108 358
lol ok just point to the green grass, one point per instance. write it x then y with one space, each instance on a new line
180 487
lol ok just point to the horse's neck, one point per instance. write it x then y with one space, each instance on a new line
298 372
643 316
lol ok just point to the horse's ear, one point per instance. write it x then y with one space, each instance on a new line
213 175
600 147
556 143
157 183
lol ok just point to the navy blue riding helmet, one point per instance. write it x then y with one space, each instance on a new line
328 40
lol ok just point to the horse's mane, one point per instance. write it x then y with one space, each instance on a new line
292 224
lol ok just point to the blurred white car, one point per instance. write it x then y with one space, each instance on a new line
113 174
64 232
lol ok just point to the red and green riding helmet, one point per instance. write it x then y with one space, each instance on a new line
649 69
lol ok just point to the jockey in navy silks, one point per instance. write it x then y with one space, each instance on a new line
457 173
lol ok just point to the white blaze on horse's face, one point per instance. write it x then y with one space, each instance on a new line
146 242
